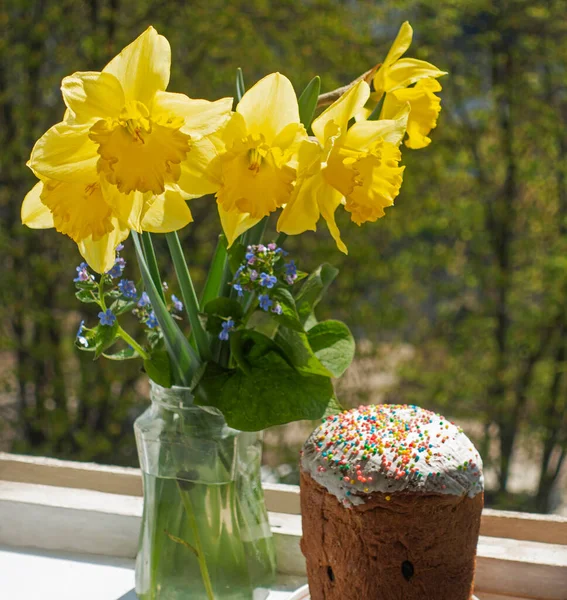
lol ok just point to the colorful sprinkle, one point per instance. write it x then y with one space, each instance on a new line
380 448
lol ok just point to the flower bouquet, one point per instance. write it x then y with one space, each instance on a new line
247 352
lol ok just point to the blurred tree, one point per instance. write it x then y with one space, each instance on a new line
470 266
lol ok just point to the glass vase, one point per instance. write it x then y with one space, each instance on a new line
205 531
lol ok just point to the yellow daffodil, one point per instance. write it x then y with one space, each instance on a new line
120 154
357 167
97 240
247 166
393 78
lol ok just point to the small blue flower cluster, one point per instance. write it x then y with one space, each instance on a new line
127 288
83 274
81 339
259 273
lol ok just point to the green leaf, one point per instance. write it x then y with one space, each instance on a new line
220 309
311 292
237 351
333 408
295 345
189 295
375 114
308 101
86 296
333 345
120 306
151 263
240 87
86 285
126 354
273 394
185 362
104 337
158 368
289 316
255 345
236 255
218 275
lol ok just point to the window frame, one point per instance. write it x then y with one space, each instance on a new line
67 506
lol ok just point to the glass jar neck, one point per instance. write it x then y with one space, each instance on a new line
172 398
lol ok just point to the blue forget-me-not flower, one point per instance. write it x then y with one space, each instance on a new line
128 289
227 327
107 317
265 301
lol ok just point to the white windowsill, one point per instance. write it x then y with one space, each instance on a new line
34 574
83 526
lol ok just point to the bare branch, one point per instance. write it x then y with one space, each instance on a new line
330 97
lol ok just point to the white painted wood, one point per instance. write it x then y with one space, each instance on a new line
33 575
71 520
78 508
70 474
280 498
548 529
287 533
521 568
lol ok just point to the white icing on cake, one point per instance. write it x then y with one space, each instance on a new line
391 448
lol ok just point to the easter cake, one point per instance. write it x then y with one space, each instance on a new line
391 498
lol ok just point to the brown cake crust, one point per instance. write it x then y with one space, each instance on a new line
410 547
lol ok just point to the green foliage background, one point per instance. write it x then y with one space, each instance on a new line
469 267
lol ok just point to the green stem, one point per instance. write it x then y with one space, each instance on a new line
282 237
189 295
101 301
183 357
151 261
219 274
198 546
250 307
130 340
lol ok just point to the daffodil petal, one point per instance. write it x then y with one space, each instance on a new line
142 68
398 49
363 133
128 208
101 254
329 199
235 223
34 212
200 173
79 210
269 106
342 111
425 108
301 213
202 117
407 71
401 44
92 95
167 212
65 153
